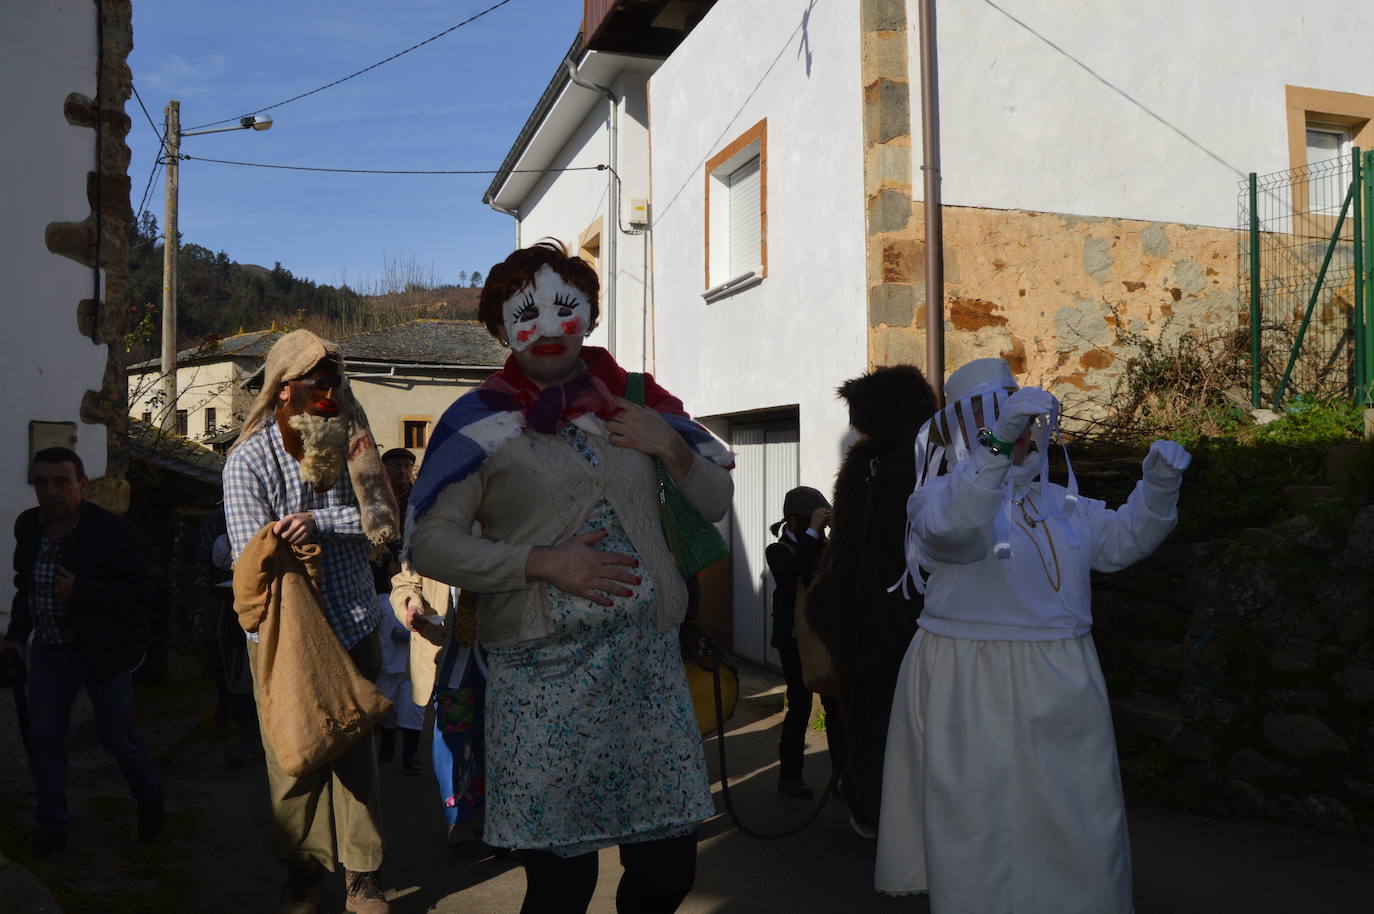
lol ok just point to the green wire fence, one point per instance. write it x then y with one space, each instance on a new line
1307 269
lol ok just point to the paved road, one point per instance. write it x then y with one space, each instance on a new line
214 857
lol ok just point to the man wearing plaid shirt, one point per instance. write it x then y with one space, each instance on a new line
262 484
289 470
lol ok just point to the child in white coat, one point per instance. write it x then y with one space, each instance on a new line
394 683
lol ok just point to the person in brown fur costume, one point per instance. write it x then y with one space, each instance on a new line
865 626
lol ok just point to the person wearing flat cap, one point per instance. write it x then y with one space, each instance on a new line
1001 788
792 561
400 472
399 466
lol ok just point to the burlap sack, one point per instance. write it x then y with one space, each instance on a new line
313 701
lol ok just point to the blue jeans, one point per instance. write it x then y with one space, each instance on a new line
56 673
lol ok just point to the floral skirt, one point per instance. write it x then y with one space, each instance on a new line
591 736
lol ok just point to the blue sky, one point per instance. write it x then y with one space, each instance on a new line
456 103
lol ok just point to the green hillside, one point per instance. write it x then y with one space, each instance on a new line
218 296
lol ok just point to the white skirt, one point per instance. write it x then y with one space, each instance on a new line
1001 790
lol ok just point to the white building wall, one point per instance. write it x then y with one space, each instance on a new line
409 394
791 339
208 384
47 50
1140 110
564 204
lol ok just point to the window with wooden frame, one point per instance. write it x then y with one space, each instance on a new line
1324 126
736 208
415 431
209 420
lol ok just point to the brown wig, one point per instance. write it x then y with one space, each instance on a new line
517 271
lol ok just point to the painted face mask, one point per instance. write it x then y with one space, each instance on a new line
548 307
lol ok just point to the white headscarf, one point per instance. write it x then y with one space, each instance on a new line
986 384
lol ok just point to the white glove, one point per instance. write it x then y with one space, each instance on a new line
1165 463
1021 408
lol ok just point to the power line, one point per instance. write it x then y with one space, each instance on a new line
397 171
472 18
138 214
162 139
157 160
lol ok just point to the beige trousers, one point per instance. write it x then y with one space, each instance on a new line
333 813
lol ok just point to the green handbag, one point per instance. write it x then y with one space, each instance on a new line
695 542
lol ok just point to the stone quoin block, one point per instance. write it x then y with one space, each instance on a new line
888 211
891 303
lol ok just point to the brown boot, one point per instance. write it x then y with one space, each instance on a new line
364 894
300 894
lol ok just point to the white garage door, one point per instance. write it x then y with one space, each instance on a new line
766 460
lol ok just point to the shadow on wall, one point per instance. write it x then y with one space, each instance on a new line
1100 78
693 173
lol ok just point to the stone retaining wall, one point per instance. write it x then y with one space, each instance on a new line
1242 673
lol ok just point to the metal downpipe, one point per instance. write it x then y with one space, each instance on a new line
934 216
612 200
508 212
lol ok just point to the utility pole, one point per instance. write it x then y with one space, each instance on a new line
172 151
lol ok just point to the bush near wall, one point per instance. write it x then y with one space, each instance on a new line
1240 657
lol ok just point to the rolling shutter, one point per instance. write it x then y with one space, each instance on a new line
745 228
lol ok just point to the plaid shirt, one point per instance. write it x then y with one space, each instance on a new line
51 624
262 484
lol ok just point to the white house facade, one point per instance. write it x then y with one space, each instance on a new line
64 221
777 83
1152 111
1091 163
210 401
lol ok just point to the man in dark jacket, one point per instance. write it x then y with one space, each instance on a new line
82 586
792 560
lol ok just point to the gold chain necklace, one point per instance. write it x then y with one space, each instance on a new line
1021 503
1058 578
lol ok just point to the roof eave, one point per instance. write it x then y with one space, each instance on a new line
560 112
531 126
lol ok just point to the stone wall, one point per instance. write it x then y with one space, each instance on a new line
894 252
1242 673
1051 293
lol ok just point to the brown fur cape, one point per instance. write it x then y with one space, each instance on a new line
866 628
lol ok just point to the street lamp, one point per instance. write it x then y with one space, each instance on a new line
169 246
247 122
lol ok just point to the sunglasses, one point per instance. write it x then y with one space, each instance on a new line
323 382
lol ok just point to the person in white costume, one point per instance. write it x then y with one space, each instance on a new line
1001 790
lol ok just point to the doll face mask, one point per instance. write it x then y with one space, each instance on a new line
547 308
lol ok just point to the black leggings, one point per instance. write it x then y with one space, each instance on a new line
658 875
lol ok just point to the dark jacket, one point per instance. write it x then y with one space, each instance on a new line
792 565
114 587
